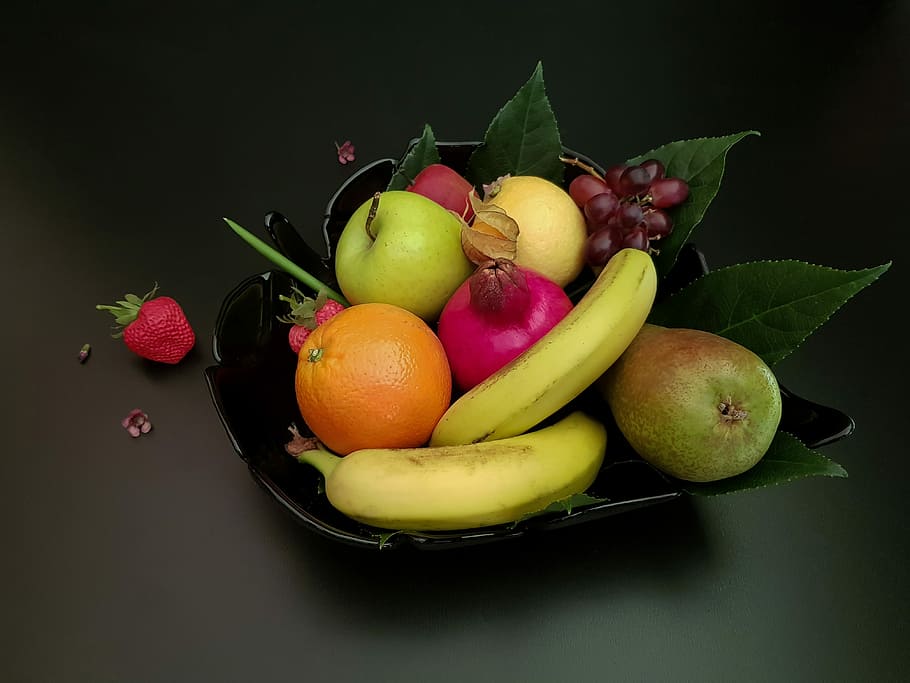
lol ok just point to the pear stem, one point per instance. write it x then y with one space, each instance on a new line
321 459
374 207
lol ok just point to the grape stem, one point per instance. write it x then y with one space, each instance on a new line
572 161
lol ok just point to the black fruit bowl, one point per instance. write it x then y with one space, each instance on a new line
252 388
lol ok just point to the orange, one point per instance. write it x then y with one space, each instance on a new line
373 376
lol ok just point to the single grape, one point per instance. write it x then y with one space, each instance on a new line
601 246
654 168
634 180
658 222
611 177
629 214
614 222
636 239
600 207
668 192
582 188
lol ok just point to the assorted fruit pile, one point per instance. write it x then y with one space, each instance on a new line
439 385
439 396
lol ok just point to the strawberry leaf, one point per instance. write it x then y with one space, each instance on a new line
422 153
522 139
787 459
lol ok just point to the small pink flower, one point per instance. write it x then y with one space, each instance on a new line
345 152
136 423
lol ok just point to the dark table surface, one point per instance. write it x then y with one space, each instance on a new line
126 134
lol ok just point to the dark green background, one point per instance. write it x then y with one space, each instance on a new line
127 132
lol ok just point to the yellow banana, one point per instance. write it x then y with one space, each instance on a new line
563 363
463 487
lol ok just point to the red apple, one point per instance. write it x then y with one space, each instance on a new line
446 187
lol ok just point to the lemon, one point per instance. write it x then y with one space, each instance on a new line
552 231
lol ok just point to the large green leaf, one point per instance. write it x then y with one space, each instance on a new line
769 307
786 459
422 153
522 139
700 162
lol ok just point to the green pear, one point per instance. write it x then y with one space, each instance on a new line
693 404
404 249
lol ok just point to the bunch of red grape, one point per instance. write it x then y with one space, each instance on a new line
627 208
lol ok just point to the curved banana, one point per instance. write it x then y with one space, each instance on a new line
463 487
563 363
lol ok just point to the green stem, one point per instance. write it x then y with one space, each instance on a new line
321 459
285 263
572 161
374 207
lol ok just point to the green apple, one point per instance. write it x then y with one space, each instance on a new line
404 249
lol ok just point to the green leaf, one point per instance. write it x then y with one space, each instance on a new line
565 505
522 139
568 504
787 459
769 307
700 162
386 536
422 153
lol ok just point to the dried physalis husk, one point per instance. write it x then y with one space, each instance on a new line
493 233
490 190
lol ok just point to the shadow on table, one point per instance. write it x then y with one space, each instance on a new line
654 550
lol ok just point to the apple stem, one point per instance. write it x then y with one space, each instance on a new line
374 207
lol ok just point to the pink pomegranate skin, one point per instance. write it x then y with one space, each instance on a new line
494 316
446 187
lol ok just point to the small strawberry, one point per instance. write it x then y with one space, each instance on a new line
152 327
306 315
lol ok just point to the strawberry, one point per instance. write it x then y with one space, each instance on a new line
306 315
152 327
